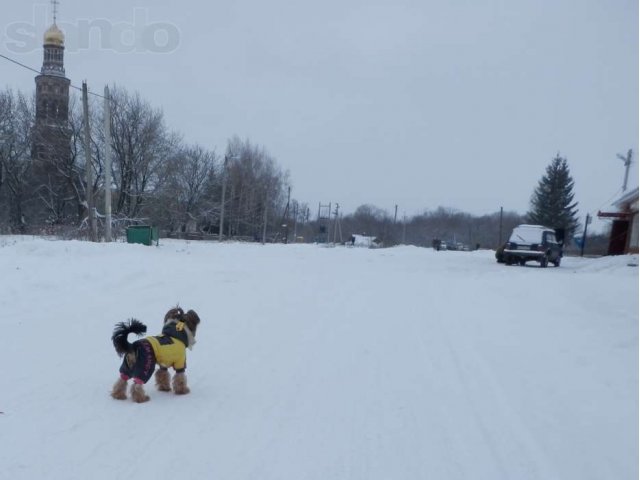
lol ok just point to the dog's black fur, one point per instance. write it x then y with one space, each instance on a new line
122 331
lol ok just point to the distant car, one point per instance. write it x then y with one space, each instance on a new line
533 242
443 246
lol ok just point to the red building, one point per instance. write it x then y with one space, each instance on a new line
624 230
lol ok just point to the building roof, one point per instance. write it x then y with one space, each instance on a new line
54 36
627 197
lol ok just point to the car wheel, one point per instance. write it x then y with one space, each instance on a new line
508 260
556 262
544 261
522 262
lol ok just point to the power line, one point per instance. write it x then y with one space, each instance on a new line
18 63
44 74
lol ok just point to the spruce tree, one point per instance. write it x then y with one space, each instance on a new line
552 202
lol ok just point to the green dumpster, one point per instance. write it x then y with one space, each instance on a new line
144 234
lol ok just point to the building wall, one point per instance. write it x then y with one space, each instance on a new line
632 246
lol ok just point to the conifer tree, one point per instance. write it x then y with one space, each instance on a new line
552 202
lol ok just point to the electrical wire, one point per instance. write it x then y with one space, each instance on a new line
43 74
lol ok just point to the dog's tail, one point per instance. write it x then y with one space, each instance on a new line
122 330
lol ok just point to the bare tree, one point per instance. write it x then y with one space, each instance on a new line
141 145
15 158
155 175
367 220
184 199
256 186
454 226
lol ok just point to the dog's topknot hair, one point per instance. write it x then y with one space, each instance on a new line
175 313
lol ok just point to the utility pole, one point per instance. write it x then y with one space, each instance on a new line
627 164
93 231
295 223
337 227
329 223
285 217
394 229
587 221
264 225
500 234
224 188
404 229
324 222
107 165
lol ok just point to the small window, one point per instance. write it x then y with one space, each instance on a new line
550 237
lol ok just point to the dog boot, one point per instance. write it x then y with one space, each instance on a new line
163 381
137 393
180 384
119 391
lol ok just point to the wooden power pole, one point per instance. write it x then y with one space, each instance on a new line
500 232
264 224
627 164
587 221
224 189
93 230
107 165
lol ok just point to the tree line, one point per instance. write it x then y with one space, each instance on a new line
157 177
160 179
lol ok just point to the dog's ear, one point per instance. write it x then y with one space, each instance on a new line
192 320
174 313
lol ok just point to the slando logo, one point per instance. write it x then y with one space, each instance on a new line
140 35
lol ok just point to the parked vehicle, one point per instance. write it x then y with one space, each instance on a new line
533 242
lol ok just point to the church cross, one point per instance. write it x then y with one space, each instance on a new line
55 4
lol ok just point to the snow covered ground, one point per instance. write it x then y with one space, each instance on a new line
320 363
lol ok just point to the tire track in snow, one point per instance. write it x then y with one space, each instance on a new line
464 374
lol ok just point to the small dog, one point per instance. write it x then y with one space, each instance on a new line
167 350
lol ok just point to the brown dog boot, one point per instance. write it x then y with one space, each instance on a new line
119 391
163 380
137 393
180 384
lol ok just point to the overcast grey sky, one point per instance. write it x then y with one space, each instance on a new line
416 103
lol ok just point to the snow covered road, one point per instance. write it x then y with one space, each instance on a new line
321 363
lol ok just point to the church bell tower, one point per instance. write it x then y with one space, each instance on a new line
52 134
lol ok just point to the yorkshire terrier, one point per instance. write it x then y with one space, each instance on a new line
169 349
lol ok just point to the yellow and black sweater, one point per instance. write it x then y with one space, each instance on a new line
169 349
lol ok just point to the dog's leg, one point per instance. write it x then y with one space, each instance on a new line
180 384
119 391
137 392
163 380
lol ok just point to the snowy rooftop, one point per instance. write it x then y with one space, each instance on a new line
626 198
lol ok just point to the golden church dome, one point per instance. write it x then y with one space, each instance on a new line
54 36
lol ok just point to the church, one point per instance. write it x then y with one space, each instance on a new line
54 172
52 135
